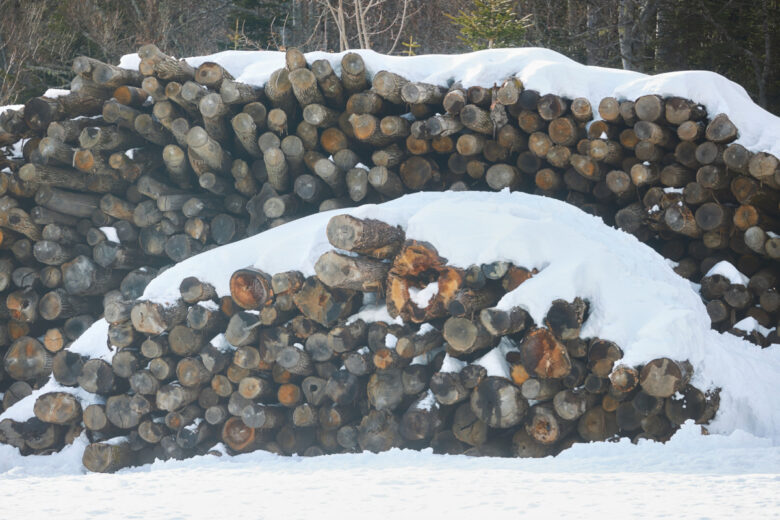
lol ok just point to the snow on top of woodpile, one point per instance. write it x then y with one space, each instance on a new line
540 69
636 300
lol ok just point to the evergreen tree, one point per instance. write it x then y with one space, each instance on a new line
491 24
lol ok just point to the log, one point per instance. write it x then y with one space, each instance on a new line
251 288
346 272
664 377
545 427
57 408
565 319
498 403
102 457
465 336
27 359
379 431
447 388
154 318
542 354
96 377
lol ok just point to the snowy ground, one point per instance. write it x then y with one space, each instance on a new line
735 477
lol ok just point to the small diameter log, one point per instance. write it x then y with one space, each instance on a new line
500 322
602 356
448 388
102 457
356 273
353 73
476 119
545 427
368 237
465 336
155 318
66 367
572 404
330 85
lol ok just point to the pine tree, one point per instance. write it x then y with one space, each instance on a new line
491 24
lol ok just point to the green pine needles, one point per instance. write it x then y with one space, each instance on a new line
491 24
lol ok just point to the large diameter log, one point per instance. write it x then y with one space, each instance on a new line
498 402
664 377
379 431
27 359
542 354
81 276
251 288
96 377
125 411
347 272
385 389
322 304
57 408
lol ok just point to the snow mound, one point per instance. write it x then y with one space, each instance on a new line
636 299
540 69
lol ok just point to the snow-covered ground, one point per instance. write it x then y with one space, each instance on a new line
713 477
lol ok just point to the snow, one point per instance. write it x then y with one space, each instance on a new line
110 233
750 324
422 297
55 93
428 402
425 327
692 476
373 313
391 341
728 271
452 365
221 343
539 69
495 361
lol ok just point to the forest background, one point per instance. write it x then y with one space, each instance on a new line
737 38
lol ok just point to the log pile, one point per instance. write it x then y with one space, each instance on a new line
133 171
284 365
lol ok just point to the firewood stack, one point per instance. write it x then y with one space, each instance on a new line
136 170
284 365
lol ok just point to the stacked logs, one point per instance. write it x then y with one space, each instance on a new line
285 365
135 170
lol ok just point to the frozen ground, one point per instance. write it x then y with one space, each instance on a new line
713 477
